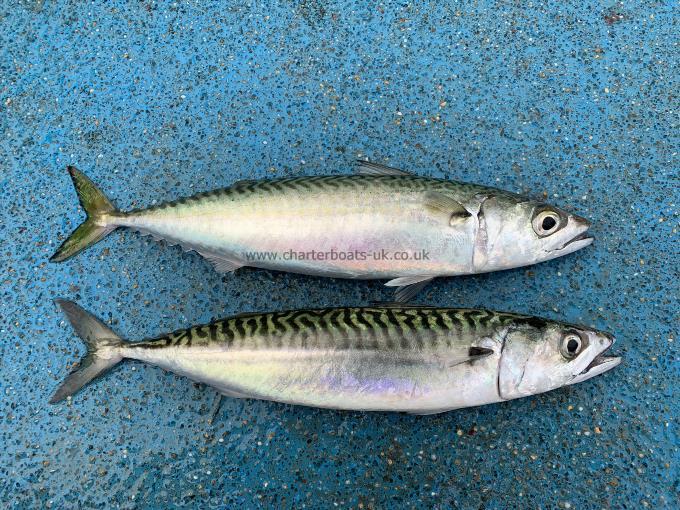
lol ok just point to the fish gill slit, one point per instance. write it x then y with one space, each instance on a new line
480 250
500 361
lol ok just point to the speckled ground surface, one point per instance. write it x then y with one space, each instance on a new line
159 100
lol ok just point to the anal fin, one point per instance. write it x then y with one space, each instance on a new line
428 412
223 263
409 286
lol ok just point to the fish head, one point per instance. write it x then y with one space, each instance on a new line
540 356
515 231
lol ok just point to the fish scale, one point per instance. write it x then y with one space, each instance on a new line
382 358
404 227
340 328
323 184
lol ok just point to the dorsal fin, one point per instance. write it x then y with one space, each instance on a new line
243 182
397 304
369 168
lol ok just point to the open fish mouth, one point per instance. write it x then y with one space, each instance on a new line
575 243
599 365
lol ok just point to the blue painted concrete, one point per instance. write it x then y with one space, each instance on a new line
156 100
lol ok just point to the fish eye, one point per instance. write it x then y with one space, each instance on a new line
571 345
546 222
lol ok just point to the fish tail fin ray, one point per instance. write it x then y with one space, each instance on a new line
97 225
103 349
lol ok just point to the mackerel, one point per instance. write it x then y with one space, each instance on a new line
381 223
419 360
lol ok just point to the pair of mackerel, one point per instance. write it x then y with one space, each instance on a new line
380 223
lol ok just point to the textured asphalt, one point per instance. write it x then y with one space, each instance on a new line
576 102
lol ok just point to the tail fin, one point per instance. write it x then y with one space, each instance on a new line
94 228
103 349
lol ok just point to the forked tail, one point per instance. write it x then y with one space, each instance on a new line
103 349
97 225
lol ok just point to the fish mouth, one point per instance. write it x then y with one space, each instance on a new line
599 365
575 243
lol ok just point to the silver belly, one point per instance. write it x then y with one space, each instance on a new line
352 380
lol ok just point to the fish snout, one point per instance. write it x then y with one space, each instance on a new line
580 222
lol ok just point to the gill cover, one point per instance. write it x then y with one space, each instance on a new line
533 360
541 356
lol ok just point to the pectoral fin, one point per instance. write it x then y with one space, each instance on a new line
448 207
476 353
473 354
